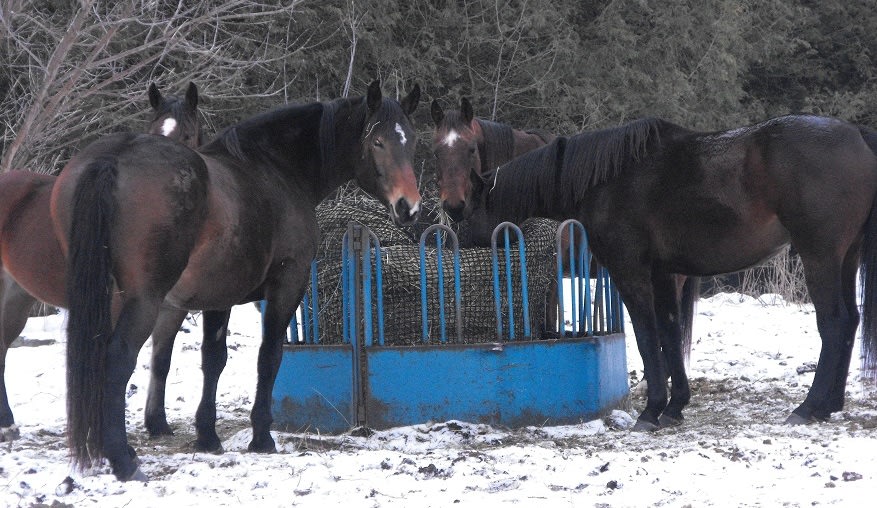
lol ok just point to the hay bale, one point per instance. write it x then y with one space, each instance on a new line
401 281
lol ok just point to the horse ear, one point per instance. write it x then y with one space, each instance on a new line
192 96
409 103
154 96
466 110
436 110
374 97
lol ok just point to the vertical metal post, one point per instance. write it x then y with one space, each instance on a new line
315 304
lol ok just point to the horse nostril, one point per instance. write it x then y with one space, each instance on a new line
405 212
454 211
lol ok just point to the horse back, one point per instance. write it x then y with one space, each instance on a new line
823 170
163 186
715 203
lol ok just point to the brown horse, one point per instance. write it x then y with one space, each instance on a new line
658 200
156 223
30 253
464 146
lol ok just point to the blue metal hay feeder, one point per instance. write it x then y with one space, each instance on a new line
511 382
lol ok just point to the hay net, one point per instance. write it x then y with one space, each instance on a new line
400 258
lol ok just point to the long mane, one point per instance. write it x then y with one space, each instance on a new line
562 171
248 141
499 144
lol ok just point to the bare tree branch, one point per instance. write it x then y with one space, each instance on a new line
70 83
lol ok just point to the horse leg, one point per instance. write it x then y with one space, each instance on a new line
848 282
278 312
637 292
163 334
131 331
668 316
551 328
837 327
15 305
214 355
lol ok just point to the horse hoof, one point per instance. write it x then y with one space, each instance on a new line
644 426
265 447
669 421
796 419
213 448
138 476
159 430
10 433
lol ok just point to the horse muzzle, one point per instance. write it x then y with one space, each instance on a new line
457 212
405 214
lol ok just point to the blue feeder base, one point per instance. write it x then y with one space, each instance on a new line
512 384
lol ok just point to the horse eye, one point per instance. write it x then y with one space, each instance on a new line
378 143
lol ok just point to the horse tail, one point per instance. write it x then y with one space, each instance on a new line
89 321
868 278
690 295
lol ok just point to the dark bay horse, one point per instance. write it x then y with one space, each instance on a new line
30 253
156 222
464 145
658 200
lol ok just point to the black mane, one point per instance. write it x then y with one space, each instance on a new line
499 144
565 169
248 141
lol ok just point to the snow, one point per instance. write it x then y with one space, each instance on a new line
732 450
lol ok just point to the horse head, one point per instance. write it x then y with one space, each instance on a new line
455 144
176 118
385 169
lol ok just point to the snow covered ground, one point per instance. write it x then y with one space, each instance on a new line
751 365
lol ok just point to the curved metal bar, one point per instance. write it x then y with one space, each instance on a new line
578 272
505 227
437 229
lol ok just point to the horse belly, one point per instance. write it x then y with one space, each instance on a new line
39 267
228 263
214 282
31 252
712 252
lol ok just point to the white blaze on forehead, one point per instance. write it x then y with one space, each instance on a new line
401 134
168 126
451 138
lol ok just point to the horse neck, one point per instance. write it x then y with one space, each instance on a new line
495 143
526 141
529 186
340 144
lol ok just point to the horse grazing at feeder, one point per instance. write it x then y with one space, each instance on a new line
465 146
158 223
658 199
33 265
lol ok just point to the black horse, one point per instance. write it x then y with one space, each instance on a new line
659 200
146 222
